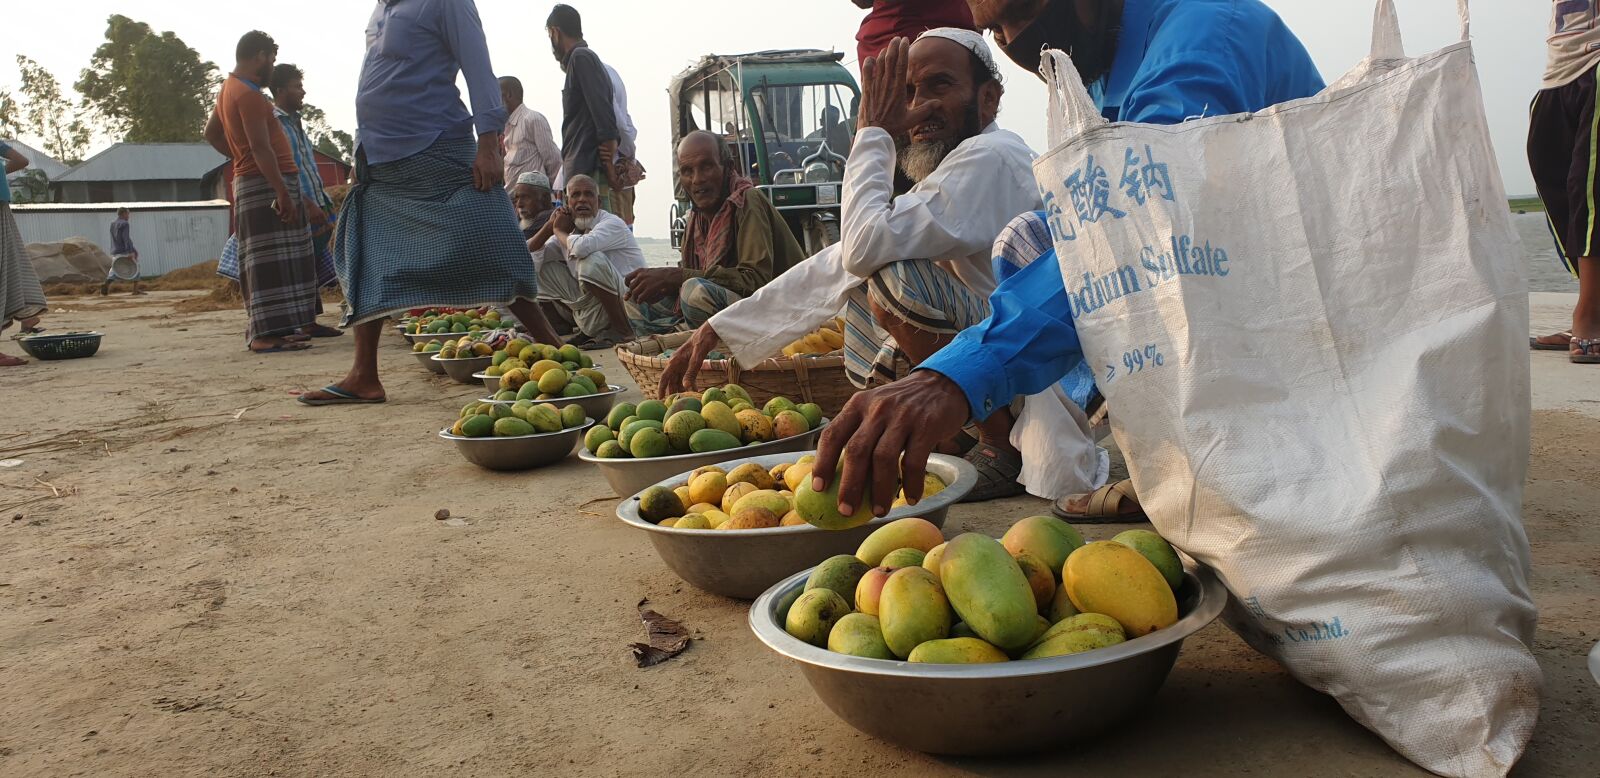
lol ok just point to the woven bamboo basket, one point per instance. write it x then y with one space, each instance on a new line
804 379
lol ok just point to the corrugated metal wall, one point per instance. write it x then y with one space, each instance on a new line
168 237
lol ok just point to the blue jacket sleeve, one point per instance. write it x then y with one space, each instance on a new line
1028 343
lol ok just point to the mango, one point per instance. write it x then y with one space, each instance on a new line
934 558
752 473
693 521
569 353
789 424
1040 579
840 573
1072 643
528 391
713 395
681 427
700 507
737 392
912 610
499 412
989 591
791 519
1081 622
814 614
1156 549
659 502
648 443
683 495
716 517
762 498
708 440
919 534
625 435
572 416
776 471
595 377
777 405
957 651
618 412
707 469
796 474
1060 606
477 426
512 427
553 381
821 509
1047 538
732 494
812 412
751 518
707 488
719 416
859 634
1113 579
754 426
544 418
654 410
903 557
596 435
806 459
611 449
684 403
539 367
870 589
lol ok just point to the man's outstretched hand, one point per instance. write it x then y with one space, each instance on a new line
685 363
884 429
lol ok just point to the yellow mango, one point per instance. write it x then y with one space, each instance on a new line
1110 578
956 651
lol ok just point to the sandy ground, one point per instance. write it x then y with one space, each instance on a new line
229 584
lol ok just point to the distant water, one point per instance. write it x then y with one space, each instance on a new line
1545 272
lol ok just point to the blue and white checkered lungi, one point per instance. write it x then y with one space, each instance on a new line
918 292
414 233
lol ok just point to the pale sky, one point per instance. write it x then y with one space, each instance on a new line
648 41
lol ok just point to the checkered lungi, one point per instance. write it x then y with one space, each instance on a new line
414 233
562 282
918 292
696 301
20 293
228 264
277 276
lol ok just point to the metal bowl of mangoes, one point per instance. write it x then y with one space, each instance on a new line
723 556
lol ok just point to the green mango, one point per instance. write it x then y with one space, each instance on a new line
572 416
597 435
708 440
512 427
619 412
477 426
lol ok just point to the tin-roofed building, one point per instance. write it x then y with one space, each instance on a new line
139 172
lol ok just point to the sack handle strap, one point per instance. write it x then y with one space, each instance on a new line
1071 109
1386 43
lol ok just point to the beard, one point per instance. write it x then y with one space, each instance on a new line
583 223
524 222
919 160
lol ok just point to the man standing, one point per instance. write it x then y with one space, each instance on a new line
890 19
277 268
589 134
587 253
121 249
529 146
1563 156
735 242
427 222
910 271
1149 61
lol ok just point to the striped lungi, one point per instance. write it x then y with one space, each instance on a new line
696 301
277 275
918 292
414 233
20 292
321 242
562 282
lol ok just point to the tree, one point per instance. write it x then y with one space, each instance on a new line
145 87
30 186
11 124
335 143
50 116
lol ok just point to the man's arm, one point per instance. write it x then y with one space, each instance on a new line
259 134
594 84
755 261
463 34
215 135
14 160
606 235
790 306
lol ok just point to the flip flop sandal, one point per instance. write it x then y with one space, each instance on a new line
1534 343
340 397
6 360
1584 351
1105 506
289 346
997 474
322 331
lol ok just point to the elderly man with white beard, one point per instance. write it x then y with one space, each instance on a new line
582 270
912 270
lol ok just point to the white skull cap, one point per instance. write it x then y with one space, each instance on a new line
968 39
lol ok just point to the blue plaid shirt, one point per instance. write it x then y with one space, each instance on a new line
304 158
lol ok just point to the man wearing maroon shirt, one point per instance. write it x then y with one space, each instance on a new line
892 19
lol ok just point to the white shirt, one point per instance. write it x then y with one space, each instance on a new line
529 145
619 104
610 234
951 217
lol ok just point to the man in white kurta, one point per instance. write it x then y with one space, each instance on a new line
911 270
583 254
529 145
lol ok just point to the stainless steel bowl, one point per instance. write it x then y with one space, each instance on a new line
462 368
744 563
520 453
595 406
424 337
991 709
425 358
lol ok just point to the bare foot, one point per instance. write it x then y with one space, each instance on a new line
366 391
315 330
6 360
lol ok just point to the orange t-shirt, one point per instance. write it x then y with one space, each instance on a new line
238 103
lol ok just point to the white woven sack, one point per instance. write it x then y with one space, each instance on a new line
1311 331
